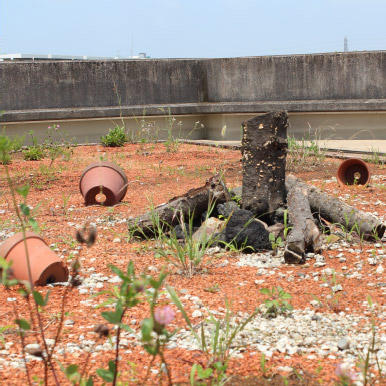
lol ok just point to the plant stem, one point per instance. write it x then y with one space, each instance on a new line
40 324
117 348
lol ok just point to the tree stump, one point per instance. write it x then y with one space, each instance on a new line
264 148
304 235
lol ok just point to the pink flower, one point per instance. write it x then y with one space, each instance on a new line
343 371
57 126
49 127
164 315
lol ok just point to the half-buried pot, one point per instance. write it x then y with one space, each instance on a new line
46 267
103 183
353 171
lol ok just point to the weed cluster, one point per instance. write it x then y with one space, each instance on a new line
54 146
13 145
304 153
116 137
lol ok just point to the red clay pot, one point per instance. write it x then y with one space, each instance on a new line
106 178
353 171
45 265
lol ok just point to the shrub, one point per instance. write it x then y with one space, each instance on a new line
33 153
12 145
116 137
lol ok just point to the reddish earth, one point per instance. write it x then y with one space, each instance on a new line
155 176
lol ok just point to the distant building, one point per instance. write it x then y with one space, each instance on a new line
19 56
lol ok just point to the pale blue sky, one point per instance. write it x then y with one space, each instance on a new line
190 28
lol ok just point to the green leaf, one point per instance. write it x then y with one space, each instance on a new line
90 382
106 375
40 301
220 367
117 271
112 366
151 349
25 209
33 224
179 305
203 373
23 324
113 317
71 370
23 190
146 329
285 295
265 291
192 374
126 327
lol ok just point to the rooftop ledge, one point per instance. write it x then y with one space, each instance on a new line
339 105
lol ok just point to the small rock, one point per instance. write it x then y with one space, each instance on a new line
337 288
314 303
69 322
285 369
227 208
196 314
34 349
379 269
207 229
117 240
50 342
343 344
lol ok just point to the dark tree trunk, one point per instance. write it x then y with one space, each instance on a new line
338 212
193 203
304 235
264 148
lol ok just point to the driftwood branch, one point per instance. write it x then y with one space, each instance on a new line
336 211
192 203
304 235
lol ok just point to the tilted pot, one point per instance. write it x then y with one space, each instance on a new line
103 179
353 171
46 267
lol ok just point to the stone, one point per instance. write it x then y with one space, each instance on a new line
180 233
244 230
208 228
227 208
343 344
277 230
236 192
196 314
33 349
337 288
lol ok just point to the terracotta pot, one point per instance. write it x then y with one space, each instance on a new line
46 267
353 171
103 178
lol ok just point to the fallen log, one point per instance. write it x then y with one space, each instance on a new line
336 211
192 203
264 148
304 235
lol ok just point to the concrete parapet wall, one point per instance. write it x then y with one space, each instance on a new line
217 92
84 89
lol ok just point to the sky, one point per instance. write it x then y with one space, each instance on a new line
190 28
